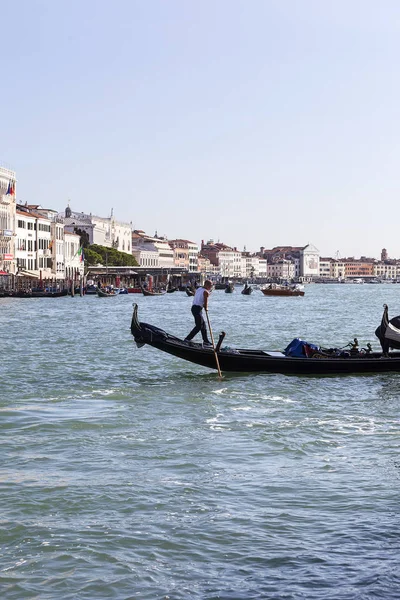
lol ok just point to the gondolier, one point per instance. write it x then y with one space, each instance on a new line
200 301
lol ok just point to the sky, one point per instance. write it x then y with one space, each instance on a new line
249 122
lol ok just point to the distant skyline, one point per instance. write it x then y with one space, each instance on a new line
257 123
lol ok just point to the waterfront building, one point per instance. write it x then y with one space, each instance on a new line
281 269
356 268
305 260
74 265
309 262
325 270
155 248
338 268
205 267
43 249
347 268
227 260
33 243
387 270
8 195
104 231
146 257
253 266
58 248
56 245
185 255
282 253
230 262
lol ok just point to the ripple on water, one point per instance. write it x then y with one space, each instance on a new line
127 473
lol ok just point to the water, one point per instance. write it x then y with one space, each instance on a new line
126 473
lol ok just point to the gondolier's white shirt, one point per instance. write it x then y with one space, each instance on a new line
198 299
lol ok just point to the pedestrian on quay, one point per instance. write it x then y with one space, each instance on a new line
200 301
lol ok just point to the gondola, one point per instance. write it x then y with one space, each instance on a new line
388 332
107 294
316 361
91 290
151 293
37 294
189 291
171 290
247 290
275 289
229 288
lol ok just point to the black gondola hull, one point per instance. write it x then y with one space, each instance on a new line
251 361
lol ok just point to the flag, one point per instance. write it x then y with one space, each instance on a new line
11 188
81 254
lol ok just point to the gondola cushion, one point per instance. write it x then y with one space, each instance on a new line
299 348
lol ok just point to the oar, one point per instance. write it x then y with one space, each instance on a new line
213 345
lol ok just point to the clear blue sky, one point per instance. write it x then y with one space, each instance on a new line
254 122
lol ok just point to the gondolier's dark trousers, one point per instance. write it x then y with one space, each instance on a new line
197 312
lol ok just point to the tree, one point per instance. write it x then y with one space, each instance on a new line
84 241
92 258
95 254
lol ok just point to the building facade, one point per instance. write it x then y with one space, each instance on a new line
74 265
33 244
281 269
309 262
186 255
147 248
225 261
8 195
104 231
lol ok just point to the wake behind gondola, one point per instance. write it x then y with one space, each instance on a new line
298 358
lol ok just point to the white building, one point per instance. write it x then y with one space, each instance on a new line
42 249
325 268
281 269
309 262
146 257
104 231
58 248
146 248
33 250
74 265
338 269
387 271
7 220
253 266
230 262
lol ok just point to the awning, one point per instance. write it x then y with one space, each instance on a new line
4 273
22 273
